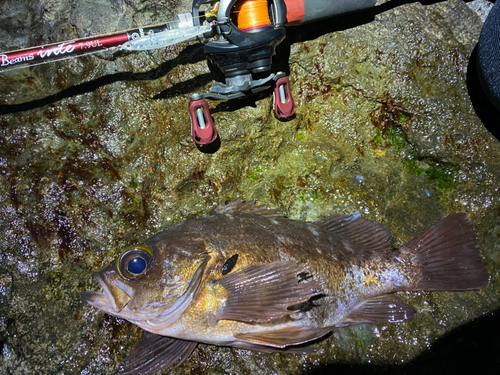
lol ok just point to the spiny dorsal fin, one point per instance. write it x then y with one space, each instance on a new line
359 232
281 338
244 207
155 352
381 309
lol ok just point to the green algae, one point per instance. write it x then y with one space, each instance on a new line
315 195
310 195
378 138
396 137
256 174
253 176
411 165
444 177
403 117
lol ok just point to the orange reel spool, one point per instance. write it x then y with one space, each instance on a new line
252 14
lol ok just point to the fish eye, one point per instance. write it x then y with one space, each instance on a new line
135 262
137 265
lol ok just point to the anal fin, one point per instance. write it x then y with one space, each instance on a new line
381 309
152 353
281 338
299 349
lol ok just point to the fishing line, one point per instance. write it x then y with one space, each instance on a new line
252 14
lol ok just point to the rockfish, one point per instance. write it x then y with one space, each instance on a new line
245 276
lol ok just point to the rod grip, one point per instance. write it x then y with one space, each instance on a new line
303 11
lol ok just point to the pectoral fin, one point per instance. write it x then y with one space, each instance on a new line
155 352
281 338
381 309
264 292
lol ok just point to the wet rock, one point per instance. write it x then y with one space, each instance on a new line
95 155
481 7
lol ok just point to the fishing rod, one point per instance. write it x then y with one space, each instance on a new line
141 39
238 36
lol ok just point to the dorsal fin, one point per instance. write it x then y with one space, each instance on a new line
357 231
239 205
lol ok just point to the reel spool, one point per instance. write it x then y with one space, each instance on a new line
252 14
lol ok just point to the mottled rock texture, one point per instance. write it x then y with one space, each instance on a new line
95 155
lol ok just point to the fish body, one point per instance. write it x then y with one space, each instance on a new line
247 277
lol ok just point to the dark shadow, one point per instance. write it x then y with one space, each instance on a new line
485 110
211 148
473 348
235 104
185 87
191 54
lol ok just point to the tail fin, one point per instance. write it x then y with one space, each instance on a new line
447 256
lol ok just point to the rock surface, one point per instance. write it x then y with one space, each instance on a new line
95 155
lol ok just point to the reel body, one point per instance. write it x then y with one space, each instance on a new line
244 48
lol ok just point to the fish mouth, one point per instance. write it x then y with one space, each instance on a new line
111 302
153 316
